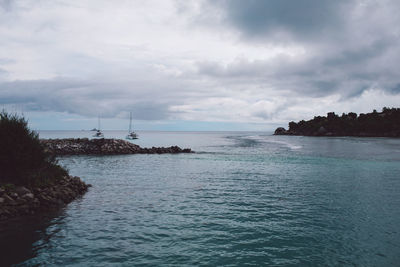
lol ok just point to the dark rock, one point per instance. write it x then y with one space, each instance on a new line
102 146
28 196
8 199
21 190
45 198
280 131
20 201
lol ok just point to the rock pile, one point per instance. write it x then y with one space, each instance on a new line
85 146
164 150
17 201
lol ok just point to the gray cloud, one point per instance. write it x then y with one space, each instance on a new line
361 54
395 88
85 98
300 19
2 72
351 46
6 4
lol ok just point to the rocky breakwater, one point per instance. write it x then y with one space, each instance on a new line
16 201
85 146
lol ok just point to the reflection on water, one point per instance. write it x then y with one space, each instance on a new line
19 235
245 198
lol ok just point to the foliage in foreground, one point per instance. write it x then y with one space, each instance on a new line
23 161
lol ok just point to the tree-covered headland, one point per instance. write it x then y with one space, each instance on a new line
375 124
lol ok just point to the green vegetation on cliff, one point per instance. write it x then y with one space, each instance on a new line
374 124
23 161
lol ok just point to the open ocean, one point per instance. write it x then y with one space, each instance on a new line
244 199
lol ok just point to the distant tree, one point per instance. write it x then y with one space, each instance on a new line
352 115
292 126
331 115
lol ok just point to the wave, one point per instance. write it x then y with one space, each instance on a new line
254 140
244 141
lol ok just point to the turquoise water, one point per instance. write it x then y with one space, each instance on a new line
244 199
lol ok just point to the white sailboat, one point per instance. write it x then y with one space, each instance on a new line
131 134
98 133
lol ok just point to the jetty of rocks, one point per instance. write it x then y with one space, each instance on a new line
85 146
17 201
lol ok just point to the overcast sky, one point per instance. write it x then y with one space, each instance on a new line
196 65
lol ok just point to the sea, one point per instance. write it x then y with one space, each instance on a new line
243 199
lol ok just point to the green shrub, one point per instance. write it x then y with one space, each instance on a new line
22 158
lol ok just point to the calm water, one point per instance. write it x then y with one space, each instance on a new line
245 199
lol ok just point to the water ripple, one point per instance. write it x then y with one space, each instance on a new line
250 201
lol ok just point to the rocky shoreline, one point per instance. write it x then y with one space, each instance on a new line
322 131
16 201
85 146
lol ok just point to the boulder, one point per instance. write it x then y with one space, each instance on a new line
7 199
20 201
280 131
21 190
28 196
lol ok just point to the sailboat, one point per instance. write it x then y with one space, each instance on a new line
98 132
131 134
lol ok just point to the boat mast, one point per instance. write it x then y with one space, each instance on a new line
98 123
130 122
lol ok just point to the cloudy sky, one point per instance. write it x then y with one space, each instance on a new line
196 65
